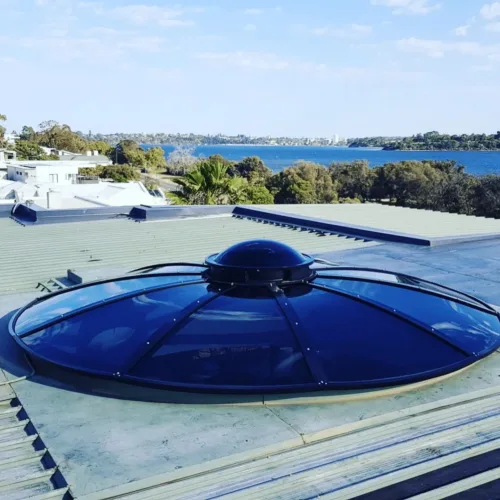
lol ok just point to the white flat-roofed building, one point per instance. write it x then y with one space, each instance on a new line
59 173
95 194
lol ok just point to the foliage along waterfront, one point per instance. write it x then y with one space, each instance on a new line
278 158
435 185
432 141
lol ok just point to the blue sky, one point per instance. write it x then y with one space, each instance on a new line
315 68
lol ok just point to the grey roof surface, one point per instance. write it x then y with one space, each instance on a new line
109 448
23 473
102 443
35 254
397 219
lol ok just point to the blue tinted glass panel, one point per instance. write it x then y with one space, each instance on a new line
356 342
472 330
59 305
359 274
231 341
108 338
395 278
179 269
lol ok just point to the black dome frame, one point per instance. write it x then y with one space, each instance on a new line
320 380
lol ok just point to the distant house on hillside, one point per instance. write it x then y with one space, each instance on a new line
6 155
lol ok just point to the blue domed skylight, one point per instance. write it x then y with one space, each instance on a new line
259 317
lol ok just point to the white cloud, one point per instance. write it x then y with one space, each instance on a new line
7 60
350 31
259 12
72 49
491 11
421 7
483 68
143 44
439 48
247 60
253 12
150 14
142 14
462 30
493 27
104 31
250 27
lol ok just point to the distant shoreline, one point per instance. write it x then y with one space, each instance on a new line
366 148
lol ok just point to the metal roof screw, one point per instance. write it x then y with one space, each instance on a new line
117 374
308 348
148 343
175 319
286 303
296 323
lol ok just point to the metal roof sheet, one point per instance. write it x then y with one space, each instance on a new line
399 219
38 253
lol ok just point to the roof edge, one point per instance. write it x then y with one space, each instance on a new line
333 226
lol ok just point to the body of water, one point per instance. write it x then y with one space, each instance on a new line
279 157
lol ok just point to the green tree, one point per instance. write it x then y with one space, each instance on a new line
456 193
3 118
56 136
102 147
127 152
155 160
27 150
253 169
27 134
258 195
305 182
210 184
408 183
353 180
116 173
487 196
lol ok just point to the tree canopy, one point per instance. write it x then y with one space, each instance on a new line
28 150
432 141
209 184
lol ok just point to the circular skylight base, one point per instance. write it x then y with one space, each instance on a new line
281 323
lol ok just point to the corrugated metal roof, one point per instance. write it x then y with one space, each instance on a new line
342 462
31 255
397 219
23 473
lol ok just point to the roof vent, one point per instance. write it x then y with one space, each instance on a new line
258 317
258 262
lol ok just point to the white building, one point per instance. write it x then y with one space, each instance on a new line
7 155
335 139
58 173
96 194
11 138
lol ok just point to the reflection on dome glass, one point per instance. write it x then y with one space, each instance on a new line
472 330
230 342
356 342
363 274
56 306
107 339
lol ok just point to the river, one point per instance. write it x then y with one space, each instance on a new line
279 157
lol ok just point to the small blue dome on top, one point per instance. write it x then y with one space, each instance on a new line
255 254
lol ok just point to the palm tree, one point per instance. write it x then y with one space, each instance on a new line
210 184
